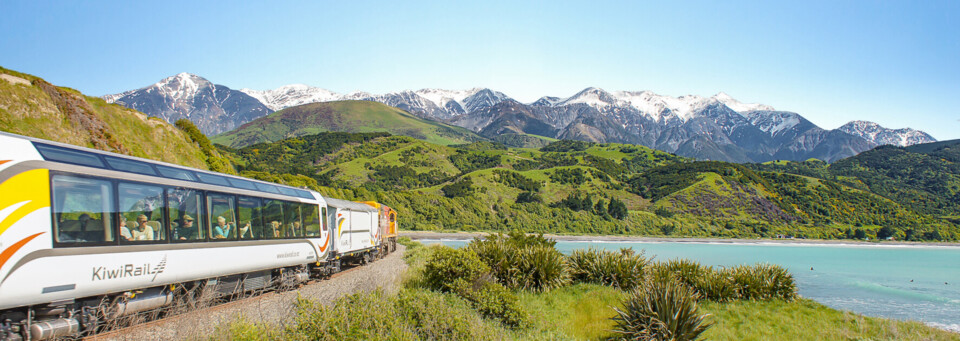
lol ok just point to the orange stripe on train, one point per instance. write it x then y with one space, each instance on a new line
5 256
30 190
4 161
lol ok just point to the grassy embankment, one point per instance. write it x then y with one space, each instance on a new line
580 311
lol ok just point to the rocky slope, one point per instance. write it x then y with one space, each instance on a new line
213 108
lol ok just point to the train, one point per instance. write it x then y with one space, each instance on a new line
88 237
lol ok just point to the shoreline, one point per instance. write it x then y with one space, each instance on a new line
418 235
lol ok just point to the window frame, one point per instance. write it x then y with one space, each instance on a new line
114 216
208 208
164 225
199 219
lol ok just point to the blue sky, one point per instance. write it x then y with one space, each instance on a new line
893 62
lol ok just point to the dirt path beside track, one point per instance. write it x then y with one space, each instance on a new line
271 308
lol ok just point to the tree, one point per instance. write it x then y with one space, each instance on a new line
886 232
617 209
859 234
458 189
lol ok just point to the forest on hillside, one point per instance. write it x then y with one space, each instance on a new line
582 187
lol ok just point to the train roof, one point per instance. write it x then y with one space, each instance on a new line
66 153
356 206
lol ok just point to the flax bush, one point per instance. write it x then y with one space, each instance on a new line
660 309
624 269
522 262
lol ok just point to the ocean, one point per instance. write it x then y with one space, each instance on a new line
919 283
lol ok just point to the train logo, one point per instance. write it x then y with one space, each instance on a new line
102 273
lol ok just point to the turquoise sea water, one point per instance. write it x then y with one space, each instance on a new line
900 282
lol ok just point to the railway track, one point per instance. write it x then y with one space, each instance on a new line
272 307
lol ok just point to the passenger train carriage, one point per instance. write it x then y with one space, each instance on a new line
88 236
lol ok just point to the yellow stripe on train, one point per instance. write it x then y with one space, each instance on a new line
30 190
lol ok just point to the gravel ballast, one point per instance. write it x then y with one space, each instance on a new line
271 308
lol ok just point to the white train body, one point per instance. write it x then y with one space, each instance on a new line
354 226
79 225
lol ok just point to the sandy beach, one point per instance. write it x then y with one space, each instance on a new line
608 238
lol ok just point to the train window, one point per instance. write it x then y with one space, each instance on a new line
251 224
238 183
186 223
223 221
69 156
272 218
82 210
323 218
141 212
267 188
174 173
129 166
213 179
292 226
304 194
311 220
287 191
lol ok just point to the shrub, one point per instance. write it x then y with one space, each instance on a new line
457 189
519 261
441 317
622 269
661 309
763 282
447 265
408 315
716 285
493 300
710 284
353 317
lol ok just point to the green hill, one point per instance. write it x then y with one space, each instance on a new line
30 106
343 116
567 187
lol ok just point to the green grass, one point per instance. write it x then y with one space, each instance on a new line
807 320
580 311
28 110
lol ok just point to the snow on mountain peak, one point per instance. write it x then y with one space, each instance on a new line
738 106
292 95
879 135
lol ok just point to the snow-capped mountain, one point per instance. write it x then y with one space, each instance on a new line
292 95
429 103
213 108
878 135
719 127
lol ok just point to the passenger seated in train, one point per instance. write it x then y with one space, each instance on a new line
246 231
222 230
295 230
273 229
124 230
142 231
84 229
186 230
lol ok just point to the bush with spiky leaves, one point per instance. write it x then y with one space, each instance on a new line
763 282
710 284
522 262
660 309
624 269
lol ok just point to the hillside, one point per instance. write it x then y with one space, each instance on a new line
924 177
343 116
568 186
30 106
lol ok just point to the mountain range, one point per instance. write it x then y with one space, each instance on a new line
710 128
